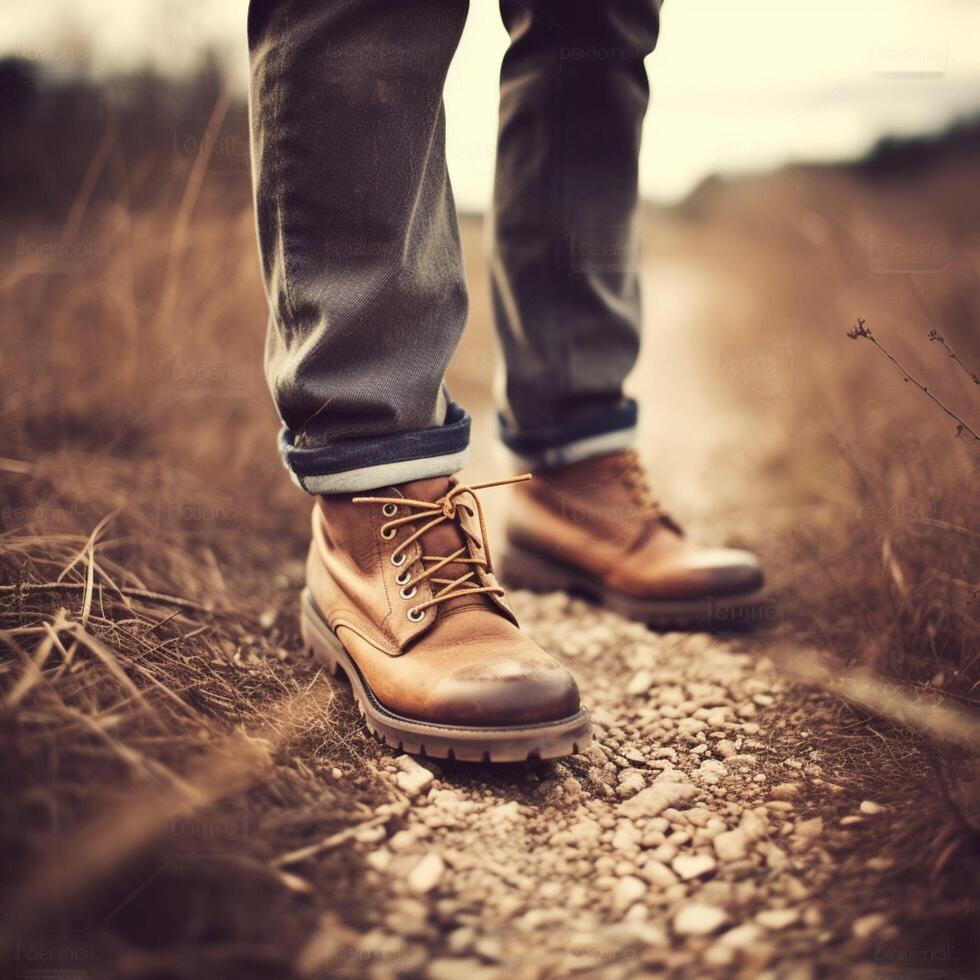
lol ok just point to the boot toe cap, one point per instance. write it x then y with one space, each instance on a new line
504 693
728 571
696 573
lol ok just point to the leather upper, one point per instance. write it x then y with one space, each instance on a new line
597 516
466 662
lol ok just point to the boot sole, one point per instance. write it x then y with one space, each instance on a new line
521 568
549 740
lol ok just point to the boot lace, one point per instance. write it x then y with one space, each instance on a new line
435 512
634 475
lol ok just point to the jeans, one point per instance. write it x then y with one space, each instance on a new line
359 239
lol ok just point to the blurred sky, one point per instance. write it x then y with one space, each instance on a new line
737 84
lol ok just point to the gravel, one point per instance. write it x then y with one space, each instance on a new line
679 842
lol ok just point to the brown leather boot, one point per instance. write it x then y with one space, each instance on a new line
401 596
593 528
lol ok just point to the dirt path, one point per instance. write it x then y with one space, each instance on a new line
685 837
702 831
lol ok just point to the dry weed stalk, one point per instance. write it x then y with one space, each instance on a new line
936 336
862 330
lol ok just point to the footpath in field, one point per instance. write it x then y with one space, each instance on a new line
700 830
713 826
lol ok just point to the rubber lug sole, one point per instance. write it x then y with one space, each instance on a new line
521 568
551 740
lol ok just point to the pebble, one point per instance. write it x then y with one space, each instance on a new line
631 781
732 845
426 874
785 791
691 866
776 919
585 832
658 874
626 838
699 920
627 891
871 808
640 683
453 969
370 835
752 825
741 936
808 829
653 800
868 925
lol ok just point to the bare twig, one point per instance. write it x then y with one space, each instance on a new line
861 330
936 336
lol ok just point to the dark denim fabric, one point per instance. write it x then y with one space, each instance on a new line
360 245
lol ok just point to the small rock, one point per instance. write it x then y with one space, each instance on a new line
337 773
808 829
870 808
752 825
780 806
452 969
628 890
699 920
626 838
690 866
413 778
380 859
402 840
370 835
658 874
785 791
741 936
585 831
426 874
505 812
732 845
653 800
776 919
719 956
640 683
631 781
460 940
868 925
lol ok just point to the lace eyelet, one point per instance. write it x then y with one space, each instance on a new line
399 559
407 593
388 533
389 510
403 578
415 615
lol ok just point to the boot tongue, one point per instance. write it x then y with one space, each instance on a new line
444 539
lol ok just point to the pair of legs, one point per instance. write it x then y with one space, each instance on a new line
361 255
360 245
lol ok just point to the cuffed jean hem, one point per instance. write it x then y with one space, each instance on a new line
595 435
355 465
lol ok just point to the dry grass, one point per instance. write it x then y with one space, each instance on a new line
165 753
865 481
